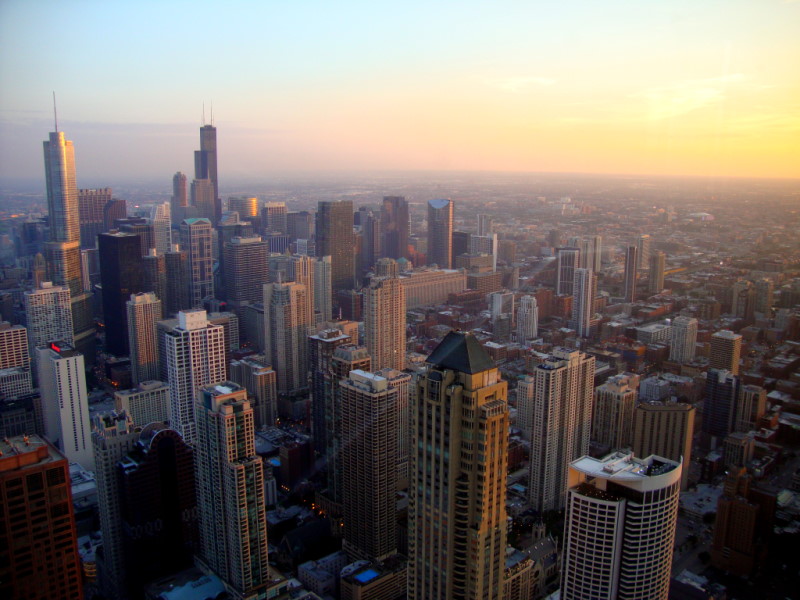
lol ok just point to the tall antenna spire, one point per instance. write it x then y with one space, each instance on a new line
212 113
204 114
55 113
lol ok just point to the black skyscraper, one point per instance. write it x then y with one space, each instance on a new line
394 225
121 274
335 238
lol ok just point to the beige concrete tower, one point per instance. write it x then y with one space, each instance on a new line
665 429
457 510
726 349
385 322
287 331
612 415
144 311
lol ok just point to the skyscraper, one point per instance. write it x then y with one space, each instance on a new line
203 200
527 320
584 290
395 227
62 251
287 329
622 514
194 355
567 260
177 285
38 542
302 269
324 383
92 221
161 218
246 206
323 290
274 217
205 159
657 266
665 429
440 233
230 491
144 311
370 420
719 408
245 269
629 280
255 374
14 355
196 241
113 435
643 252
180 199
121 276
562 420
62 383
683 338
401 381
385 322
612 415
457 506
49 317
335 238
726 349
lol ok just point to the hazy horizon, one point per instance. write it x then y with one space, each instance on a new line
657 89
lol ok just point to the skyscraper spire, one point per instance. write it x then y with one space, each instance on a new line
55 113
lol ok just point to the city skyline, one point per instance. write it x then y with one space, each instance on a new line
627 88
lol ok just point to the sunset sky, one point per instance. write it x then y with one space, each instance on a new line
653 87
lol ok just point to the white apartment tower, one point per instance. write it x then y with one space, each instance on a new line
457 494
194 350
287 330
527 320
385 322
621 518
49 315
562 420
65 402
230 491
684 339
144 311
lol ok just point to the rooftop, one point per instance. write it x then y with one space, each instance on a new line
461 352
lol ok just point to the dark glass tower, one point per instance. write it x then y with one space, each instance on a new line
335 238
394 226
440 233
121 274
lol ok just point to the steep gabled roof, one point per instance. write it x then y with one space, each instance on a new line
460 351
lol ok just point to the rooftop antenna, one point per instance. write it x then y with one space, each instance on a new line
204 114
212 113
55 113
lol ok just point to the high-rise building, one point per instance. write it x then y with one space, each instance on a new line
562 421
665 429
335 238
274 217
764 289
368 239
65 401
752 406
527 320
622 515
457 505
287 331
657 266
161 218
230 491
584 290
180 199
205 159
643 252
719 407
196 241
246 206
92 221
49 316
115 209
395 227
300 225
370 419
401 381
194 356
154 274
113 435
38 540
177 284
440 233
255 374
14 355
612 415
144 311
323 289
302 269
629 279
158 506
203 200
683 338
62 251
324 383
385 322
567 260
484 224
121 277
245 269
726 349
148 402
